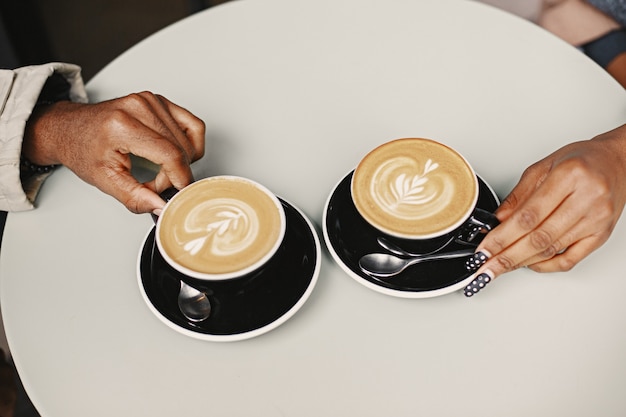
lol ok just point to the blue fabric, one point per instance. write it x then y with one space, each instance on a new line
604 49
614 8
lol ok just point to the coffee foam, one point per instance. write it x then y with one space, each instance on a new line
414 188
221 225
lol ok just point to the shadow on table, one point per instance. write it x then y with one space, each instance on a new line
3 220
9 379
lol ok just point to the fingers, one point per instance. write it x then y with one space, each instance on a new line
120 184
564 208
569 258
193 128
570 213
127 134
95 141
527 221
159 183
532 178
175 166
156 129
544 239
173 122
574 241
141 200
546 242
570 196
588 233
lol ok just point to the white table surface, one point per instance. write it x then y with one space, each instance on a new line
294 92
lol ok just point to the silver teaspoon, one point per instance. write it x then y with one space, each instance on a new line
395 249
194 304
383 265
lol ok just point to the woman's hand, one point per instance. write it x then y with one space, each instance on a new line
564 207
95 141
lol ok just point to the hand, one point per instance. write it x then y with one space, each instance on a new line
95 141
564 207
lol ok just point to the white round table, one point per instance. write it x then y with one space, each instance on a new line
294 93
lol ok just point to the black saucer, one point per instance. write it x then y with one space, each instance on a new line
242 307
349 237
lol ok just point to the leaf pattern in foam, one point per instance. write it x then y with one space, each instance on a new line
229 221
410 190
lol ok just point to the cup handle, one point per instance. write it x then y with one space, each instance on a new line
166 195
480 222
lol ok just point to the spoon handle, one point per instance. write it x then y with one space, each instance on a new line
445 255
397 250
385 266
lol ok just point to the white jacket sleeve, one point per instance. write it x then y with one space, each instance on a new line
19 91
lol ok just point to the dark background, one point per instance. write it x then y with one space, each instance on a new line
89 33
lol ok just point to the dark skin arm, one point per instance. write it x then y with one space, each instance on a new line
564 207
95 141
617 68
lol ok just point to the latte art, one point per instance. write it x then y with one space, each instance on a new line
403 190
226 226
220 227
414 188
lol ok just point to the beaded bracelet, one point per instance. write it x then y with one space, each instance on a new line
25 164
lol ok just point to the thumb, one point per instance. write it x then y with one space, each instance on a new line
136 197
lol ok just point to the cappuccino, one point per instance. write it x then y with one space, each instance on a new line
414 188
220 227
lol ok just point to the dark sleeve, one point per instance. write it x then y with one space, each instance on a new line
606 48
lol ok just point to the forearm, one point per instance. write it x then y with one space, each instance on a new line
19 93
46 123
617 68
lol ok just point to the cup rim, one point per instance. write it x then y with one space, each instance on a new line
225 275
427 236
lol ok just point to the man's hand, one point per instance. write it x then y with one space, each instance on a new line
95 141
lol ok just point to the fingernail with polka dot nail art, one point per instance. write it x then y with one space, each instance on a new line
476 261
478 284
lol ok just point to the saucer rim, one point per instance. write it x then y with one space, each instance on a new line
251 333
378 288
